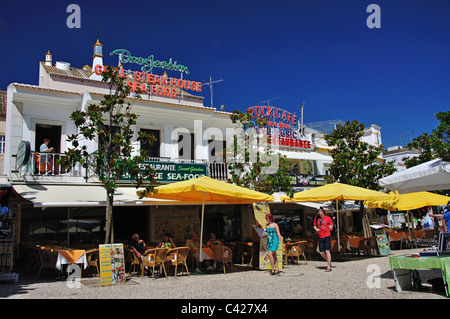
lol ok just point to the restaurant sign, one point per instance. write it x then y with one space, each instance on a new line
281 126
149 63
144 81
175 172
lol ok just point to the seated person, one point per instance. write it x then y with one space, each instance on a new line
167 242
137 245
213 240
194 245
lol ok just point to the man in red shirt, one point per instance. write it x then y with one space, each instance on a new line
324 225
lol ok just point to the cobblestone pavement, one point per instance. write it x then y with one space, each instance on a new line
359 278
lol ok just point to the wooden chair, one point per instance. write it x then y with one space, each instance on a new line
46 260
178 256
152 258
92 257
296 249
222 254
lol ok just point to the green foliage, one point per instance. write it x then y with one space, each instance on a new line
109 123
355 162
251 160
434 145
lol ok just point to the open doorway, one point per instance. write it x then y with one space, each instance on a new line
52 132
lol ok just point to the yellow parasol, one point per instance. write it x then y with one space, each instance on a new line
206 189
336 192
409 201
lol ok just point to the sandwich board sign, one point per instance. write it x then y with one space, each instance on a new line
112 264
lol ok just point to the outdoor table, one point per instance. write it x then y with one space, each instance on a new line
396 236
208 252
353 242
402 266
71 256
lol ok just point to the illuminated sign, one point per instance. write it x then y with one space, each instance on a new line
161 85
149 63
281 126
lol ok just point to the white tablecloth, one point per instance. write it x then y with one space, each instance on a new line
61 260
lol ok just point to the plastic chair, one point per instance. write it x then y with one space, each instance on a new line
178 256
222 254
152 258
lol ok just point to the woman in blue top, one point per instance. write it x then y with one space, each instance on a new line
272 243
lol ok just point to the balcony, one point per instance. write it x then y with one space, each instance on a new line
45 167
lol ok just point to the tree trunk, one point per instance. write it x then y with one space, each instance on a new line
109 219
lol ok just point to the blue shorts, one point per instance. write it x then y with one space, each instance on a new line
324 244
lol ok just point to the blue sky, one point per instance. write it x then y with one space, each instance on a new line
319 52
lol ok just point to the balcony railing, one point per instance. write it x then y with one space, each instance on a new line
47 164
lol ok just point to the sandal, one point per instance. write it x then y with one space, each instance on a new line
328 270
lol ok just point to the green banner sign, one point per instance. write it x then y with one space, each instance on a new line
175 172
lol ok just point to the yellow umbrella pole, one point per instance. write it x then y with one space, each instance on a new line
338 235
201 228
409 225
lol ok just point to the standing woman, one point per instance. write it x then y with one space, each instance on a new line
272 243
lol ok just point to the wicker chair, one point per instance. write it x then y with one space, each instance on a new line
135 262
46 260
223 255
92 257
296 249
152 258
311 247
178 256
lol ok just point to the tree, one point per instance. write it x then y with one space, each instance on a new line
356 162
253 164
109 124
434 145
441 136
424 144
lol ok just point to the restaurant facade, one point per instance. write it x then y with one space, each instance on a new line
53 205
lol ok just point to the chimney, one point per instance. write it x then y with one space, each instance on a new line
48 58
97 60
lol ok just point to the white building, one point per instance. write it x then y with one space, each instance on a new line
172 109
397 154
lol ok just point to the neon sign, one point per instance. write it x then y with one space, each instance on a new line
280 126
149 63
161 85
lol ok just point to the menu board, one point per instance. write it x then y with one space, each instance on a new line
112 264
382 241
261 210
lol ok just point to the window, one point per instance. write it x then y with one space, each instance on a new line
186 146
154 149
2 144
